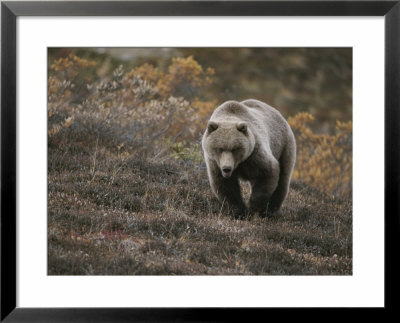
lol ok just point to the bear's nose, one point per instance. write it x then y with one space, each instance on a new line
226 169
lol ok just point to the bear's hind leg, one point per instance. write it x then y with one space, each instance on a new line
261 192
287 162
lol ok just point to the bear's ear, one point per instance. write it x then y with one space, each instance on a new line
212 126
242 127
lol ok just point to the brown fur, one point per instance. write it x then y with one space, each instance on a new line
251 141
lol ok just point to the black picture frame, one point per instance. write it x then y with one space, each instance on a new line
10 10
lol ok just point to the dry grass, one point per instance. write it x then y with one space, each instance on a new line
136 217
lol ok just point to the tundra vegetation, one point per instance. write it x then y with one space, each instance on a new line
128 192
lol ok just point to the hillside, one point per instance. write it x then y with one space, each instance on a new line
162 219
128 192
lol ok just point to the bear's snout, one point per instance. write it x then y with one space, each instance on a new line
227 163
226 171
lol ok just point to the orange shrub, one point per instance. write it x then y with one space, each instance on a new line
135 108
323 161
185 78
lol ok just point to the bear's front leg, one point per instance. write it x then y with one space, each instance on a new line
261 192
228 191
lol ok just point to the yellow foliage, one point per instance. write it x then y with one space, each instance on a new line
147 72
184 72
71 62
204 108
323 161
183 78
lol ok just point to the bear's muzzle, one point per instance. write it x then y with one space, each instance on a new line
227 163
226 171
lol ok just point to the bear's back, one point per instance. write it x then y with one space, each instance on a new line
264 109
231 109
249 110
270 125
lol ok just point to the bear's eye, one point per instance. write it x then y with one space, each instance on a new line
219 150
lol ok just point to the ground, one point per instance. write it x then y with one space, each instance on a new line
143 217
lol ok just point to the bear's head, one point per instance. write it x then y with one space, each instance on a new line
228 144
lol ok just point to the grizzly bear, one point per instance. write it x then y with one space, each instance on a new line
250 141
